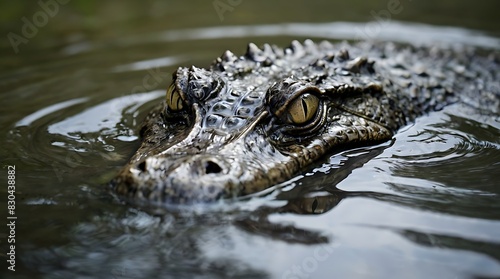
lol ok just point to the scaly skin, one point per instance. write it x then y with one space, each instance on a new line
229 131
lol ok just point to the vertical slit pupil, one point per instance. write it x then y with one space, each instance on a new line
304 107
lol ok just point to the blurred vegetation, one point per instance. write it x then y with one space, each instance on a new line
98 14
110 19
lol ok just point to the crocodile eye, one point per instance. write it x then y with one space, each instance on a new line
303 109
174 99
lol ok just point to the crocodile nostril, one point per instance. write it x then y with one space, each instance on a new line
212 167
142 166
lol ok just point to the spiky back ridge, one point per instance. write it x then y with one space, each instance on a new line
269 55
342 67
432 77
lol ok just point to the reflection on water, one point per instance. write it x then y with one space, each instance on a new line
424 204
104 117
417 34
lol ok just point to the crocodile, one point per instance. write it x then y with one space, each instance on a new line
249 122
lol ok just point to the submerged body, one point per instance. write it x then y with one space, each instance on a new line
250 122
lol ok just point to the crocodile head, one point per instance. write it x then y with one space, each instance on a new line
250 122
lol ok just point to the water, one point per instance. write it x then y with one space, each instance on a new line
425 205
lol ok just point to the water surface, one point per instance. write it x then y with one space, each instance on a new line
425 205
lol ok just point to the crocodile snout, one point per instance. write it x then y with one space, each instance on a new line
191 178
